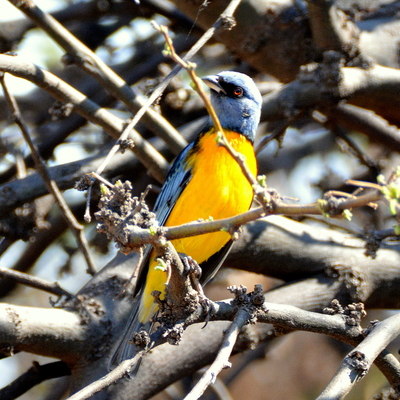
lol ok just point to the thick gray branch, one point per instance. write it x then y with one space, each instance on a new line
288 250
48 332
63 92
357 363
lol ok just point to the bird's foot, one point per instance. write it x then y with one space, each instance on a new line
193 270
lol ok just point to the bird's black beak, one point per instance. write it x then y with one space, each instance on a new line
212 81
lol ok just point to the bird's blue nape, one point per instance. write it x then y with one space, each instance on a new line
237 102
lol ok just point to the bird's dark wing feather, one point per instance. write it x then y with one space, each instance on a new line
176 181
211 266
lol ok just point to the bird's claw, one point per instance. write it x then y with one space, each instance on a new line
193 270
208 308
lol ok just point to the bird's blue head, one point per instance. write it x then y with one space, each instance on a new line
237 102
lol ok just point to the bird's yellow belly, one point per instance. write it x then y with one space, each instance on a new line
217 189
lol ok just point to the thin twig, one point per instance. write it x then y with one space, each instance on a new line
101 179
363 184
80 54
352 147
156 164
97 68
157 92
189 67
259 191
138 236
75 226
356 364
35 282
221 360
35 375
374 126
227 14
117 373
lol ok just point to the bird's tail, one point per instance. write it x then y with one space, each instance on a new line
125 349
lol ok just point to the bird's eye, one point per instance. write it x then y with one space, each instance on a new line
238 91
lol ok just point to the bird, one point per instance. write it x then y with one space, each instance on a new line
204 181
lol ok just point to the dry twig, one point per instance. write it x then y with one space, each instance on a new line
221 360
38 283
75 226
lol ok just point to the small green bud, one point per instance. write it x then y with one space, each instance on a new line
381 179
347 214
393 206
262 180
321 204
161 266
394 190
104 190
218 137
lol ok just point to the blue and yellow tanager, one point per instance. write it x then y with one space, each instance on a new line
204 181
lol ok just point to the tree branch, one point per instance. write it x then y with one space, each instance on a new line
38 283
80 54
192 354
48 332
63 92
221 361
306 250
370 124
35 375
332 29
357 363
18 192
374 88
75 227
123 227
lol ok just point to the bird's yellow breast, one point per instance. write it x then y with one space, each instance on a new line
217 189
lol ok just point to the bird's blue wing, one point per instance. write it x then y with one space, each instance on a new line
177 179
